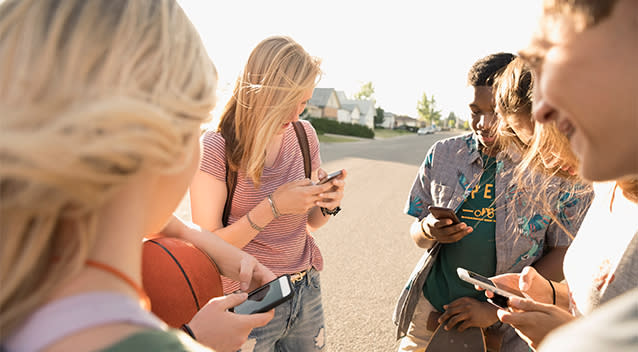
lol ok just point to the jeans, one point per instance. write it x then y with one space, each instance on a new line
298 324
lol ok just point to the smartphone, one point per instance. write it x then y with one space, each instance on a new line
267 296
330 177
500 295
444 213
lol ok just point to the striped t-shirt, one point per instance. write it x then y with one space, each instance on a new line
284 246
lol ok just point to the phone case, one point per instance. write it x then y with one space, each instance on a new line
443 213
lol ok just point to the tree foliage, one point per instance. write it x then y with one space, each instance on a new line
379 117
426 107
451 119
366 92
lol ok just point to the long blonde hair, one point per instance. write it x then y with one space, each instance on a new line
278 73
91 93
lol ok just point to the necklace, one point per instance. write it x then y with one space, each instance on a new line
144 300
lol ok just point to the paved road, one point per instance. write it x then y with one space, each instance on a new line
367 250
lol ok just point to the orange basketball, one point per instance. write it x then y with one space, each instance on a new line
179 278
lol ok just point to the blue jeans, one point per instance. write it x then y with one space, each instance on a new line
298 324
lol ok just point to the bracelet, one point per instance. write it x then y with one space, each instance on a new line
275 212
188 330
333 212
425 234
252 224
553 291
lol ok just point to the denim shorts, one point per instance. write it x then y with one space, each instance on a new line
298 324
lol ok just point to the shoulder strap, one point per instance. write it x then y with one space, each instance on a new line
231 182
303 144
231 176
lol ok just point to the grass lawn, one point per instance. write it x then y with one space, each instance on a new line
335 139
385 133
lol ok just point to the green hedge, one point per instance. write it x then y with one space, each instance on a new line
331 126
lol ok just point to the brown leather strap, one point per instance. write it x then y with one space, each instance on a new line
231 182
231 177
303 144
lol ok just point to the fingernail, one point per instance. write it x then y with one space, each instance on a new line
514 301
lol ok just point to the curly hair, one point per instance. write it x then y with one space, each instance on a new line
483 71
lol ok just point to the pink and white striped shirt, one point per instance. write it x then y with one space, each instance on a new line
284 246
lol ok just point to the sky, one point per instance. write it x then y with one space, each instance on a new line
404 47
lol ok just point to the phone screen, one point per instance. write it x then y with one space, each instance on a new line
481 278
330 177
265 297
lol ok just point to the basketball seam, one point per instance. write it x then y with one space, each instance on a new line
190 286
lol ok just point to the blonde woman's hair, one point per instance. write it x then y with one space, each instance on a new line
513 99
277 75
91 93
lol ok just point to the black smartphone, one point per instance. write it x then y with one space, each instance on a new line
444 213
267 296
500 295
330 177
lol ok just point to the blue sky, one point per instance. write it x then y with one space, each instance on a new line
403 47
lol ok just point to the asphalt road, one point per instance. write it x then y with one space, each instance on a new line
367 251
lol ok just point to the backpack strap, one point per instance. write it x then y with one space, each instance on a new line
303 144
231 182
231 176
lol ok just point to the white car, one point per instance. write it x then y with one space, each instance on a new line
425 130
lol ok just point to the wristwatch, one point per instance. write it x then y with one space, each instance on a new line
332 212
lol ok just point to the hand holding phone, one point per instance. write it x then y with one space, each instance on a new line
330 177
267 296
500 295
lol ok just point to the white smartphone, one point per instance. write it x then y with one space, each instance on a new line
330 177
267 297
500 295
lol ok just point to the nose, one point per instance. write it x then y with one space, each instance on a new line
487 120
544 113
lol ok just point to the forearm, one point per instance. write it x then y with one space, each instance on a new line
226 256
551 264
417 234
241 232
316 219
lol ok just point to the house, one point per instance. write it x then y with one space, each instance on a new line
388 120
404 120
367 112
324 103
332 104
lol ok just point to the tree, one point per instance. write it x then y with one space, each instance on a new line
426 107
451 119
366 92
379 117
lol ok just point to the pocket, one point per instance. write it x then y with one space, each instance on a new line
315 280
441 194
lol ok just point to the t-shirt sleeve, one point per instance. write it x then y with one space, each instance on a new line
313 144
213 155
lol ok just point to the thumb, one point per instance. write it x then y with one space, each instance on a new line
260 319
321 173
232 300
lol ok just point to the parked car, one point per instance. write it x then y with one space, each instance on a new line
425 130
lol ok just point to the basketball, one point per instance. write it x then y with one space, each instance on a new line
179 279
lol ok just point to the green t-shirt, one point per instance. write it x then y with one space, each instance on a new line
157 340
475 252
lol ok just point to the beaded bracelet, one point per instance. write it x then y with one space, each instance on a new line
187 329
275 212
252 224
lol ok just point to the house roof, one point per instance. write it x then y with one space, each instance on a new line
404 118
320 96
365 105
